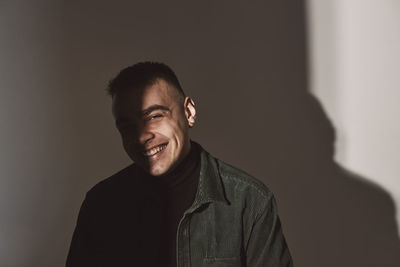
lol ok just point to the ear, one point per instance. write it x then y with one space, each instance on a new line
190 111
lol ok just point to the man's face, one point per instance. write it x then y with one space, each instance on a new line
154 126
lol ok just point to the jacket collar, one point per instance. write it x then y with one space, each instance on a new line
210 188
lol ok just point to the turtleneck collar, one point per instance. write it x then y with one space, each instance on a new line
184 171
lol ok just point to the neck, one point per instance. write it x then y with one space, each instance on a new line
184 169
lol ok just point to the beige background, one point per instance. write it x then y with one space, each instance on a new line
246 66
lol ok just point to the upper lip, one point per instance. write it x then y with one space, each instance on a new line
149 148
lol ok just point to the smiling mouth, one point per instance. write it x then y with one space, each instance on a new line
154 150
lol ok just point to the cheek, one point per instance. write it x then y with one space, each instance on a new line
128 134
175 129
129 149
129 145
182 125
179 132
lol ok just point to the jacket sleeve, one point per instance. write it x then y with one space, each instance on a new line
81 248
267 246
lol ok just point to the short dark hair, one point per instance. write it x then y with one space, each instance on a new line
142 75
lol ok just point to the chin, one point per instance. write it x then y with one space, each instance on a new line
157 173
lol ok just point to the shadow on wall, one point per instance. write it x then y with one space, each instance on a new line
332 217
224 52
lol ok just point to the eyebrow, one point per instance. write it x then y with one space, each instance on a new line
150 109
147 111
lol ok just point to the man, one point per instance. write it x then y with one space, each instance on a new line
176 205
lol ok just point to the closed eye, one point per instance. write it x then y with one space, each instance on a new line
155 116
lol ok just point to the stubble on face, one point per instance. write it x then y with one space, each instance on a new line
153 126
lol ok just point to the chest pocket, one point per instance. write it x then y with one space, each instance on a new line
222 262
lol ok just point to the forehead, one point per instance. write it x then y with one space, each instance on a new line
134 101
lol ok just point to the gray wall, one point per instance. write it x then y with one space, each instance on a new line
245 66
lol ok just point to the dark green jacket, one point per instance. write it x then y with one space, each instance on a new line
232 222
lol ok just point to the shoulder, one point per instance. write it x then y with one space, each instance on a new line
235 178
235 175
245 193
236 184
125 178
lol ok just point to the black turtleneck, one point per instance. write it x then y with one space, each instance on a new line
179 190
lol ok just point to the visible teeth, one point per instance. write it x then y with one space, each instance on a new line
153 151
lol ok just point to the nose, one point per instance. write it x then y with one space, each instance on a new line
145 136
